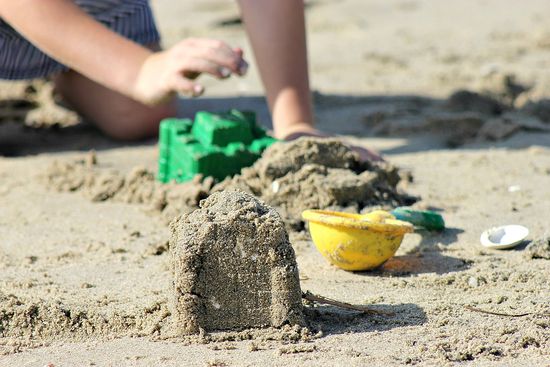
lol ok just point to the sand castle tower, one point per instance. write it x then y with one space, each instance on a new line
234 267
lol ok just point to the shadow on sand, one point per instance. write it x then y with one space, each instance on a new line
396 117
426 257
331 320
420 263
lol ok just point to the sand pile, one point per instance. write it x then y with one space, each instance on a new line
305 174
31 319
314 173
499 107
35 104
139 186
234 267
538 249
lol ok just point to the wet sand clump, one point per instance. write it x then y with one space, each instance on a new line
538 249
234 267
313 173
309 173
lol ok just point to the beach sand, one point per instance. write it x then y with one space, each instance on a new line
452 93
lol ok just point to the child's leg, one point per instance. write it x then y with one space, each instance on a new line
115 114
277 33
276 29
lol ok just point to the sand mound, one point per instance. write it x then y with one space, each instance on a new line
538 249
305 174
38 319
465 100
540 109
234 267
314 173
137 187
500 108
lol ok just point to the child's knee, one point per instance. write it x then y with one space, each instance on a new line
133 123
116 115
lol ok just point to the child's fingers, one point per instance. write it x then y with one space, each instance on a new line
239 51
234 62
182 85
191 67
243 65
218 52
202 47
217 45
214 52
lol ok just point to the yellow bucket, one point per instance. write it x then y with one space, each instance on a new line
356 241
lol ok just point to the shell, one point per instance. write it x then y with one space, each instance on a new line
504 237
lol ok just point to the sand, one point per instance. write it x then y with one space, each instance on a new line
138 186
312 173
538 249
87 282
287 176
234 267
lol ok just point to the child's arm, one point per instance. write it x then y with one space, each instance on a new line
65 32
277 33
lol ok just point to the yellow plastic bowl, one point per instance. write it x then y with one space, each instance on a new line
354 241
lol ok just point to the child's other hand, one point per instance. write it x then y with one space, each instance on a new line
173 71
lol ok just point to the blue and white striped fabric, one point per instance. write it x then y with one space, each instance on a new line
19 59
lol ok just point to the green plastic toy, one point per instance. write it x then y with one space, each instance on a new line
217 145
420 218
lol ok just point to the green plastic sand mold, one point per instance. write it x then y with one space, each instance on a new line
421 218
217 145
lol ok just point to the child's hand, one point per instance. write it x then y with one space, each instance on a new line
172 71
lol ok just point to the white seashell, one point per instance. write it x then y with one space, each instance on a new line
504 237
473 282
514 188
275 186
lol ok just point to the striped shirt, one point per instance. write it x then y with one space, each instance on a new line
19 59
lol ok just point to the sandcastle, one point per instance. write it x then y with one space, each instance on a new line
234 267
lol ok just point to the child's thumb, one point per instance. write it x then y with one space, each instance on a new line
239 51
183 85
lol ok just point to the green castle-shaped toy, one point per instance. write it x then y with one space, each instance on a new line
217 145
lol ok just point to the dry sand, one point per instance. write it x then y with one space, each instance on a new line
89 281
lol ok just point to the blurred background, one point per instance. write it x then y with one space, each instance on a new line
406 74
